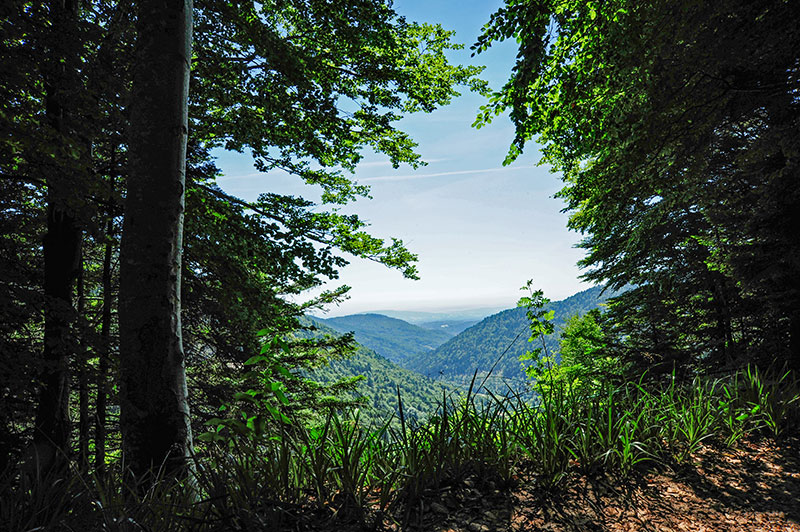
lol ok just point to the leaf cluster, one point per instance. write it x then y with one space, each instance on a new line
672 124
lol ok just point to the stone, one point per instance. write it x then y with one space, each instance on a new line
438 508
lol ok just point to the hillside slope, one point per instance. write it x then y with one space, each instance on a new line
391 338
382 378
480 346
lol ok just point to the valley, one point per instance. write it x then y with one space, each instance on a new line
423 361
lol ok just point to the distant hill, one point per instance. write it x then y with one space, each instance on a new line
480 346
392 338
420 394
420 317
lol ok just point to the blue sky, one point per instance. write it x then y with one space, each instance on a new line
481 230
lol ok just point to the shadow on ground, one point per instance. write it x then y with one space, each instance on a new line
753 488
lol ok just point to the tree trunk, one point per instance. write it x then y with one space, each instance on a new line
52 435
104 353
794 343
153 398
61 249
83 372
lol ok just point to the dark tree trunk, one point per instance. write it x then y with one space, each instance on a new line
61 249
153 397
104 353
724 328
83 371
52 435
794 343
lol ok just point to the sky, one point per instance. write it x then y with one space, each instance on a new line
481 230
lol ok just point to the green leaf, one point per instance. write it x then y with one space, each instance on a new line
210 437
256 359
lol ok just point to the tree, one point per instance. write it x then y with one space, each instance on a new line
154 406
305 86
586 359
272 80
672 123
61 247
49 123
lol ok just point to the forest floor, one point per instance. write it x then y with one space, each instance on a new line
753 488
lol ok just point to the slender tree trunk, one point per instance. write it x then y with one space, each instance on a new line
83 371
104 352
794 343
61 248
154 409
52 435
724 328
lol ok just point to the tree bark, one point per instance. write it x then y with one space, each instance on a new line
52 435
153 398
794 343
104 353
61 249
83 371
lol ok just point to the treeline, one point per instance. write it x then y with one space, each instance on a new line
105 147
674 125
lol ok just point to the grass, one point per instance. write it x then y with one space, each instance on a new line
372 474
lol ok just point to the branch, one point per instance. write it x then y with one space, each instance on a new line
23 179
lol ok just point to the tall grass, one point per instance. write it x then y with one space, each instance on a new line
345 469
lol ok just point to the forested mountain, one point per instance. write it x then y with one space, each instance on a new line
382 378
480 346
392 338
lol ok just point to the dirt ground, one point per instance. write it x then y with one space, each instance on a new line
755 488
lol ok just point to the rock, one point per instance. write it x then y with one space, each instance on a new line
451 502
488 514
438 508
477 527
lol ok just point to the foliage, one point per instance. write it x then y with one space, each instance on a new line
304 86
302 82
585 362
674 129
540 322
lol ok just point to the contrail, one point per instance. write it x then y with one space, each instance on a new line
439 174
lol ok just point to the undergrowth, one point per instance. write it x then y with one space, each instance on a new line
342 469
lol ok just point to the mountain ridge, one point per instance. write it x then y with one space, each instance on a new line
498 341
393 338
